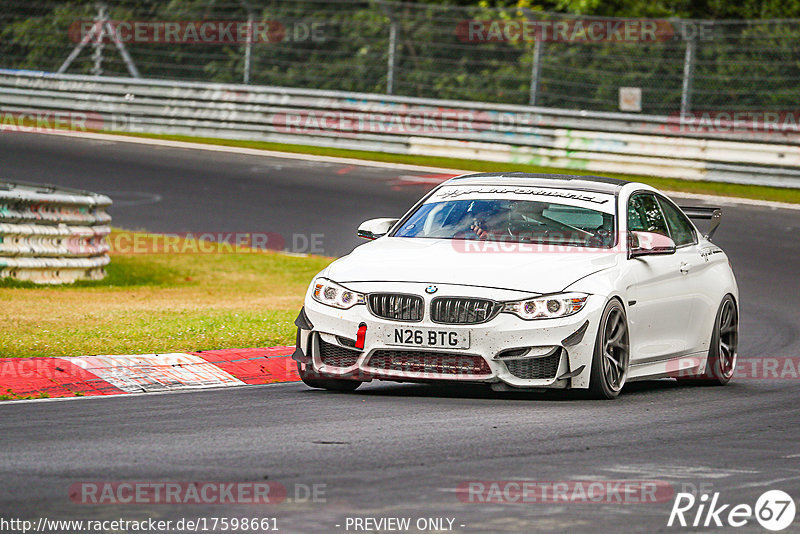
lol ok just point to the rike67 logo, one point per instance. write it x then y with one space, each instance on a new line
774 510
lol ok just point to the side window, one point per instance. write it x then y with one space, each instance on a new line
679 225
645 215
636 213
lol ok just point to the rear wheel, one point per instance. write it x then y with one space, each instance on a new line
724 344
611 353
315 380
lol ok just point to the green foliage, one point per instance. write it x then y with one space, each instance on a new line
739 65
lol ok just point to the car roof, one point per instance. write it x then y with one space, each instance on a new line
599 184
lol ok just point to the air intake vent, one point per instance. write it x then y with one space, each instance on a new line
337 356
535 368
463 310
396 307
435 363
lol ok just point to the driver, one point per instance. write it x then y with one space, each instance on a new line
489 218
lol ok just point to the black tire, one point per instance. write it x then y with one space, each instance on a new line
611 353
722 352
315 380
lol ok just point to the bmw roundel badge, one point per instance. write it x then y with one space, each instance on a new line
431 289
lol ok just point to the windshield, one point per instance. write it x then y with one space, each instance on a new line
512 217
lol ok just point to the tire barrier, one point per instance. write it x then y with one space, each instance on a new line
52 235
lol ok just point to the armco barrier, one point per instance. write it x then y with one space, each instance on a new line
52 235
593 141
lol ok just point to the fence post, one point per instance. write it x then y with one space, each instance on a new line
536 67
391 59
248 50
688 75
98 46
101 27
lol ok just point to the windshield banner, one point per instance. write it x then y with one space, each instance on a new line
590 200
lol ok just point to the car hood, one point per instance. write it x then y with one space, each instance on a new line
445 261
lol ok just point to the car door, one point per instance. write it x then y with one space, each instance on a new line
659 299
694 270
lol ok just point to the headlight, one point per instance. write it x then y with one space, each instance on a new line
547 307
332 294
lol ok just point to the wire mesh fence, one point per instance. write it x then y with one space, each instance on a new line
513 56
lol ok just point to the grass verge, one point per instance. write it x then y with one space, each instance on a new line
758 192
160 302
10 395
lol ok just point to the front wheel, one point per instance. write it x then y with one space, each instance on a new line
315 380
611 353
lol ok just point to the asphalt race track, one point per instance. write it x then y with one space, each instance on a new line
393 450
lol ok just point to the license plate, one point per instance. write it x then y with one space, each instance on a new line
427 337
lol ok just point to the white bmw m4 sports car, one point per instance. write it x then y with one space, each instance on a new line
526 281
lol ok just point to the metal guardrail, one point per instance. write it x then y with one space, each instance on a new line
52 235
591 141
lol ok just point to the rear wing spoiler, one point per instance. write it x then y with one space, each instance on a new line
707 213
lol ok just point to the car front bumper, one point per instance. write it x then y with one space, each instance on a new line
567 344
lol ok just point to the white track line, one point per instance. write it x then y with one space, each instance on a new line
12 402
252 151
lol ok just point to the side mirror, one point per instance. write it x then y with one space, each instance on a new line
375 228
649 244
